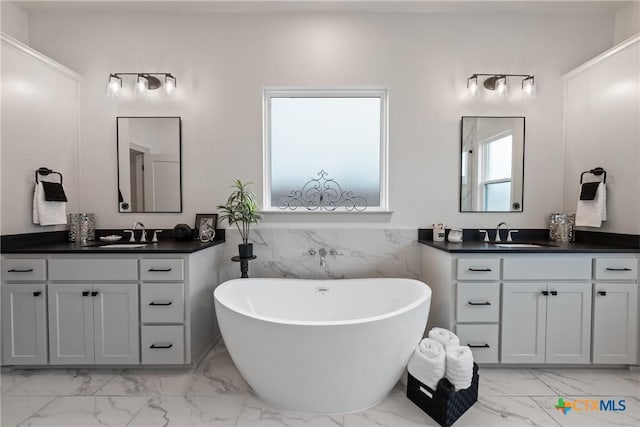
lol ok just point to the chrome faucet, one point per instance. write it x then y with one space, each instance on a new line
323 253
143 238
497 239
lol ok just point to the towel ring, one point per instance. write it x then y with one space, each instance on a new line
46 171
597 172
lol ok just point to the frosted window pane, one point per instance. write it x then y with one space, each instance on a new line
499 159
497 196
338 135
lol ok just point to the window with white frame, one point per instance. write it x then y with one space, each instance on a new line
325 150
496 173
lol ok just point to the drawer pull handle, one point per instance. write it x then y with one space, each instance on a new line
545 293
161 346
163 270
17 270
554 293
85 293
479 346
161 303
479 303
37 293
602 293
618 269
94 293
479 269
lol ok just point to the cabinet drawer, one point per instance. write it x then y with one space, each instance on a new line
19 270
547 268
162 345
483 340
616 268
478 268
478 302
162 302
93 269
161 269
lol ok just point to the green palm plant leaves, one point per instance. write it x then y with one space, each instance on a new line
241 209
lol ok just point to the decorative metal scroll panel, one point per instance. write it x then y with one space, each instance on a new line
322 194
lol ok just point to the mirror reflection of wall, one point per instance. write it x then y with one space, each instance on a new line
149 164
492 164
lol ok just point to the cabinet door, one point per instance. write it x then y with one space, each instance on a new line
523 322
615 323
568 323
115 320
24 324
70 324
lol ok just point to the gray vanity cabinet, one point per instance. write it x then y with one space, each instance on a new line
93 324
24 324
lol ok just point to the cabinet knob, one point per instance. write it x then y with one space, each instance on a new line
479 345
37 293
85 293
94 293
479 303
618 269
161 303
19 270
545 293
602 293
479 269
160 269
554 293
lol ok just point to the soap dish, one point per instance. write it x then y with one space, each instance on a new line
111 238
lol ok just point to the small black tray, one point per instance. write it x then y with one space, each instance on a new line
443 405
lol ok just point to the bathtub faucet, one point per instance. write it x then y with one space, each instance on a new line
323 253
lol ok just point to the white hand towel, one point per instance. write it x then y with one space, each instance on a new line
459 363
591 213
444 336
427 363
47 213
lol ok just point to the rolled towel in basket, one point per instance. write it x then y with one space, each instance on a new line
459 363
444 336
427 363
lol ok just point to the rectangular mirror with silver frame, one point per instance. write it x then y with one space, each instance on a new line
492 164
149 164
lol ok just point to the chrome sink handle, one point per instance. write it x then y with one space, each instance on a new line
311 252
509 239
486 235
155 236
334 252
131 239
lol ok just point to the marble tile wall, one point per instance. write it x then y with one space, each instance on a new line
365 253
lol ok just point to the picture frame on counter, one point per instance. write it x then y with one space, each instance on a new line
205 227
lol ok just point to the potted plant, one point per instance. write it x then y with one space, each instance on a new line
241 209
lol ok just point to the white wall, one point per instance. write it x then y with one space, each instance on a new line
627 22
222 63
602 129
14 21
39 129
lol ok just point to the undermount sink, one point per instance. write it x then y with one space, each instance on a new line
518 245
124 245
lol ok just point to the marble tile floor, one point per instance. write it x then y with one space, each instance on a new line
214 394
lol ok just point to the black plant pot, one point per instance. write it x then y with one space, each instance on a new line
245 251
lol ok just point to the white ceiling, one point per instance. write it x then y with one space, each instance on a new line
326 6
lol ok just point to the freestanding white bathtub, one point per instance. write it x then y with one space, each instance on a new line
322 346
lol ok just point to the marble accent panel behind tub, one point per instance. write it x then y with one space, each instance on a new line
365 253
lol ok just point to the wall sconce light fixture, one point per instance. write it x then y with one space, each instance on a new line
499 84
144 83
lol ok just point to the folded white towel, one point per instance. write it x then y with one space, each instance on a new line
459 363
591 213
47 213
427 363
444 337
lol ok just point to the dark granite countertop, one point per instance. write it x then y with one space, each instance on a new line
587 245
50 243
